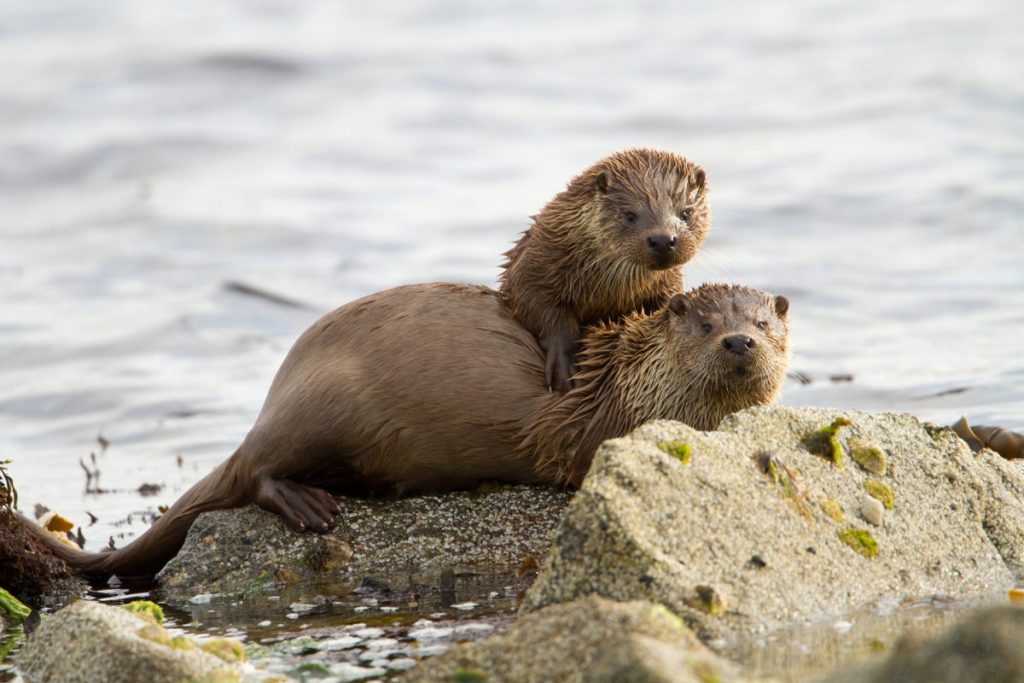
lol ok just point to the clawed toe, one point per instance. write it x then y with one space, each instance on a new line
302 507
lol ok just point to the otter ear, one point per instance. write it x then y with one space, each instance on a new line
697 180
677 305
781 306
602 182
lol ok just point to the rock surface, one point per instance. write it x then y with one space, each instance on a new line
981 648
738 542
88 642
592 639
239 551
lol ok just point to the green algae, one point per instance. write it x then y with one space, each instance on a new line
870 458
182 643
146 607
832 509
677 449
469 676
225 649
823 441
705 673
880 492
13 609
707 600
659 611
860 540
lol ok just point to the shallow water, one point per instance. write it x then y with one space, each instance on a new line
866 159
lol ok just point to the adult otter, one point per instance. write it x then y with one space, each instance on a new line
612 243
435 387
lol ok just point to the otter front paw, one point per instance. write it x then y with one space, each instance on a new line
303 507
559 365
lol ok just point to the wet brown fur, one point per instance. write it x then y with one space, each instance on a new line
582 263
663 366
430 388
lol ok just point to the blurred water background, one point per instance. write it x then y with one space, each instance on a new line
864 158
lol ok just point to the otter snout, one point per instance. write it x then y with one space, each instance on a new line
740 344
661 245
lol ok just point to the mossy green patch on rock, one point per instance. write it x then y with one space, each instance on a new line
227 649
469 676
832 509
871 458
880 492
707 600
146 607
860 540
677 449
12 608
659 611
823 441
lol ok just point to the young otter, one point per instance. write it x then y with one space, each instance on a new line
612 243
436 387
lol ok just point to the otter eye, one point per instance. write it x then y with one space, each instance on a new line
762 325
685 215
706 327
629 216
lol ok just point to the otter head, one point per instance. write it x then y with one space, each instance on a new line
732 341
652 205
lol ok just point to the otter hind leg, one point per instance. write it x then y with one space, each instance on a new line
302 507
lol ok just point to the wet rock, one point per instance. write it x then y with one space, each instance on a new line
29 570
982 647
88 641
242 550
592 639
644 526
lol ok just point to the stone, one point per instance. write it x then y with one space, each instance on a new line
981 647
872 510
591 639
89 641
239 551
645 526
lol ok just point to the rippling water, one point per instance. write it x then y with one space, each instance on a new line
866 159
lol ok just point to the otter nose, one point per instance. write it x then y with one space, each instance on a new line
738 344
661 244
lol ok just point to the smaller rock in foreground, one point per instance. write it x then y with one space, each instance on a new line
88 642
592 639
981 648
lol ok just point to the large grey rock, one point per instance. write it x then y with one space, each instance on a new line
984 647
89 642
487 531
589 640
736 551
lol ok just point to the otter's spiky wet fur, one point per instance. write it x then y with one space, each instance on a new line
667 365
583 262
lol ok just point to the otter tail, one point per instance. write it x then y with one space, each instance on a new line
146 555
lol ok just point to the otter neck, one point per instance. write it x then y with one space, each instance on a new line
642 372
